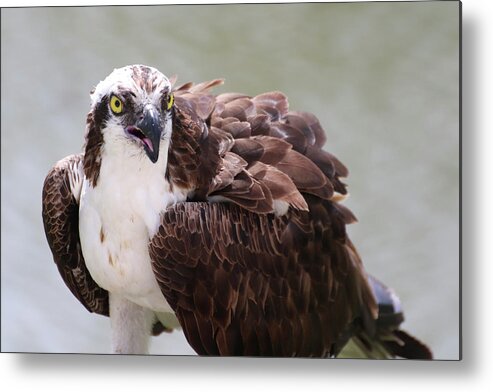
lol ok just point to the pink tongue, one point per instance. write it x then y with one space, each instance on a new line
148 143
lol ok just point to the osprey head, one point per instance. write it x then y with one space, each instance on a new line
132 109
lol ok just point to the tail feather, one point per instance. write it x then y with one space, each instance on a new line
384 339
407 346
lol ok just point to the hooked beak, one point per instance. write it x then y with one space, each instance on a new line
148 130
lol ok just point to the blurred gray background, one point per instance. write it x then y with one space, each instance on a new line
383 78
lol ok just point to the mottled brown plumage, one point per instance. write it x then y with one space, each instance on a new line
94 142
257 261
61 224
241 280
245 149
260 284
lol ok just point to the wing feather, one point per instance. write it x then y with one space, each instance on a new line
256 272
61 224
242 134
272 272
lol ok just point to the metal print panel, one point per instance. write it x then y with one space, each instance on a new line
302 201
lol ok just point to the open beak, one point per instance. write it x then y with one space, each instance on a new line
148 130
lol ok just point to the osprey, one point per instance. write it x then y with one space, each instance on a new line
217 214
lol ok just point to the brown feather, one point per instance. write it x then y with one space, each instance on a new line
228 97
240 109
61 223
273 103
289 134
279 184
305 175
239 312
238 129
94 141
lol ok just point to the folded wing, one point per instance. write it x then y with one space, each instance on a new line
243 283
61 192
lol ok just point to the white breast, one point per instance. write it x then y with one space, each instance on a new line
116 220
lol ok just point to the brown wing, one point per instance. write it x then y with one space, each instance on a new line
243 283
257 154
61 224
253 152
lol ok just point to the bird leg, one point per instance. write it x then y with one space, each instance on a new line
131 326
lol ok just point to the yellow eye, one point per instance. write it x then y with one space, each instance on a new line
169 102
116 104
